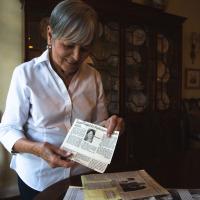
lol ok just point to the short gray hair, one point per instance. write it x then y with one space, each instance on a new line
76 21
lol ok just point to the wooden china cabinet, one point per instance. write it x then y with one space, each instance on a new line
139 57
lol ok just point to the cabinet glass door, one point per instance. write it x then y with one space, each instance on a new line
167 71
105 56
137 68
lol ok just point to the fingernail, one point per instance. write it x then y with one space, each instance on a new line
68 154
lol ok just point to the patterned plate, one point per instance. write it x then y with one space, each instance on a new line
162 43
139 37
163 74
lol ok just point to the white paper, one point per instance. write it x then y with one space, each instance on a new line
74 193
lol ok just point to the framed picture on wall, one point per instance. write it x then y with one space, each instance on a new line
192 78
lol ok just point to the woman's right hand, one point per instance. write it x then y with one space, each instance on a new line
55 156
52 154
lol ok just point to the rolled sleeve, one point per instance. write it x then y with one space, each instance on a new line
16 111
9 137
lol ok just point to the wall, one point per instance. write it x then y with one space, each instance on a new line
11 54
191 10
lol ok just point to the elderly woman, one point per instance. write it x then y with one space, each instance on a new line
45 96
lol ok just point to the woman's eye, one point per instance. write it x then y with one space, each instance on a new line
68 46
84 49
73 46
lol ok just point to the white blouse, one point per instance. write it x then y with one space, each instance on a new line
41 108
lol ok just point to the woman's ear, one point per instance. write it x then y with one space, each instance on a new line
49 35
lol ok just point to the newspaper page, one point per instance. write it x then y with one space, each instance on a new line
130 185
74 193
79 193
90 145
99 194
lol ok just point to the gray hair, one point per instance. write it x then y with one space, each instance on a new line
76 21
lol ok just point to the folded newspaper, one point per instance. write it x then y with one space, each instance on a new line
121 186
77 193
90 145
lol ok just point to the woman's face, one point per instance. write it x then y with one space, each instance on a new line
90 135
68 56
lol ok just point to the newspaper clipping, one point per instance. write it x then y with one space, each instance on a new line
90 145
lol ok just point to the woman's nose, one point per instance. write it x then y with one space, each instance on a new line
76 53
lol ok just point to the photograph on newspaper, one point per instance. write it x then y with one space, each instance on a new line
90 145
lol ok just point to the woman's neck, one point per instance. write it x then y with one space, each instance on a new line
64 76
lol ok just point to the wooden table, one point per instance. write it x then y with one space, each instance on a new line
181 170
58 190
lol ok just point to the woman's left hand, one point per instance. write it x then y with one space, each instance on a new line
114 123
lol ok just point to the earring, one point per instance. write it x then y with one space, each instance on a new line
49 46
